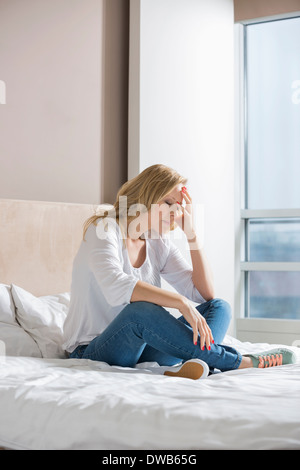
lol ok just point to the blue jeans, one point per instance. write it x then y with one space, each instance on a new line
146 332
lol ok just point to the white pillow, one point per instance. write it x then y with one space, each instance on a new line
43 318
16 341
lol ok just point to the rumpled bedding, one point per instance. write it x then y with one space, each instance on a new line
72 404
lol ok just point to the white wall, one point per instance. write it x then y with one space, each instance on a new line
182 110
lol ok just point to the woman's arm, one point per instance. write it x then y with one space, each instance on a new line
202 276
149 293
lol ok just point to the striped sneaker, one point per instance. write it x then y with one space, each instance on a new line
272 358
194 369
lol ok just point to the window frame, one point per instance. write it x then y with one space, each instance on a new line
242 214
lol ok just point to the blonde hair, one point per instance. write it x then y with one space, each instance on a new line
147 188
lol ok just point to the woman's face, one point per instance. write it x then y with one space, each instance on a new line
161 217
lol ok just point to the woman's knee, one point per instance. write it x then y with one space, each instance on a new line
223 307
141 309
217 306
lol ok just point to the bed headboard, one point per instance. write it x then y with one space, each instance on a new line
38 243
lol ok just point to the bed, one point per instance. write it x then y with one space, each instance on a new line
50 402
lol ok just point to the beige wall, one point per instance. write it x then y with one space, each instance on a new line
250 9
63 129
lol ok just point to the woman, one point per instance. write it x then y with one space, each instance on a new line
118 309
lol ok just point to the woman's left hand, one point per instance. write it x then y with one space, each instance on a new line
185 220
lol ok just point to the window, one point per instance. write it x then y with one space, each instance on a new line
271 188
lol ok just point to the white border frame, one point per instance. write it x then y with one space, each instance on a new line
269 266
270 214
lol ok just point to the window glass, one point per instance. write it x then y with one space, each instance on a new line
274 240
273 114
274 294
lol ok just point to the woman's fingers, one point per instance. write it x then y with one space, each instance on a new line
186 195
211 337
201 332
202 340
206 337
200 328
195 330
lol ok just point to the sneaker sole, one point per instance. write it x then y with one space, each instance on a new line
194 370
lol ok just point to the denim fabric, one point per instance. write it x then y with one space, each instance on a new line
144 332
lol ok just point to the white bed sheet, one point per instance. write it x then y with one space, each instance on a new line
80 404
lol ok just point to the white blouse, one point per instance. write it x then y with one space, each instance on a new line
103 280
